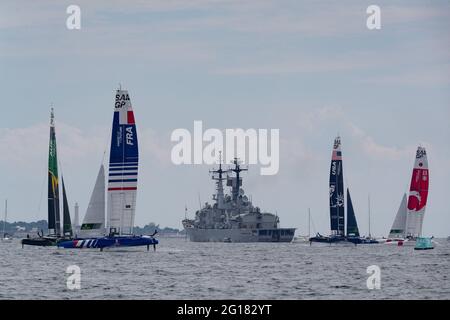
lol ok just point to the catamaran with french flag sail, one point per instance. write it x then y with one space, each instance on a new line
121 190
408 223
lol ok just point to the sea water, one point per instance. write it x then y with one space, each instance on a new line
180 269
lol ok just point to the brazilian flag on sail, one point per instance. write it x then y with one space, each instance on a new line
53 191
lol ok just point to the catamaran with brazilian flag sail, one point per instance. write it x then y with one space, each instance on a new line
54 223
122 188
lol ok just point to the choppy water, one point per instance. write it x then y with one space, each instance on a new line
183 270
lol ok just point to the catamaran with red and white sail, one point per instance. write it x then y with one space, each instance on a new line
408 222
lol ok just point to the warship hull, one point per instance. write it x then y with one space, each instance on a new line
241 235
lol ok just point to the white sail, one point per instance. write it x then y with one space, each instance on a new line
94 220
418 195
399 225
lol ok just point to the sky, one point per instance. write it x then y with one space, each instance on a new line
311 69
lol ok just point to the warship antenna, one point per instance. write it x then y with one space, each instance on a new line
220 171
237 169
219 196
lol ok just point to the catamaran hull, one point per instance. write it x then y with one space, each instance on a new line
107 242
329 240
400 242
41 242
241 235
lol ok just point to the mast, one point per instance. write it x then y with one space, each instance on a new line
309 222
219 186
53 188
370 236
235 187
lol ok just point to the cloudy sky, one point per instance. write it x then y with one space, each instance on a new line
311 69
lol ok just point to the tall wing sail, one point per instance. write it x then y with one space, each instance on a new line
399 225
352 225
94 219
53 188
123 167
67 224
337 219
418 194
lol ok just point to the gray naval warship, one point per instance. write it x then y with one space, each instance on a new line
233 218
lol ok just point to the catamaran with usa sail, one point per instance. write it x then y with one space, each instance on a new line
121 191
337 214
54 222
337 207
408 222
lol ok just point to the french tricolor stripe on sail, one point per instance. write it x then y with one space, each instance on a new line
122 185
126 117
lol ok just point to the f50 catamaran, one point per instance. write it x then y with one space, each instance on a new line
54 223
337 202
122 188
337 207
409 219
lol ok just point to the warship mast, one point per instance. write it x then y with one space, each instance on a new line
235 187
220 195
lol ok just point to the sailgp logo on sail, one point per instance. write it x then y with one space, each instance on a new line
190 148
121 100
